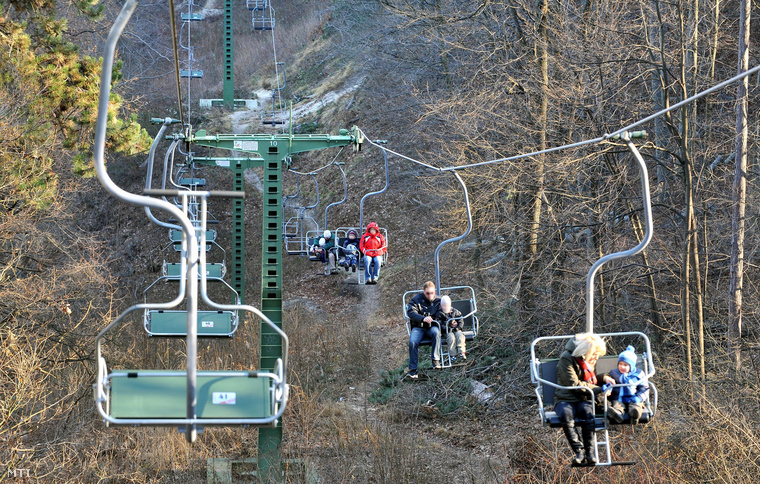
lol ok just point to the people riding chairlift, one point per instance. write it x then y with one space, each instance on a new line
323 248
349 253
373 245
421 311
576 369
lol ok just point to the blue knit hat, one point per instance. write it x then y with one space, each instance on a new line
629 356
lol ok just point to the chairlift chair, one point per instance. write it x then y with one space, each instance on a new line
290 225
463 296
186 398
263 19
313 238
159 397
173 322
384 257
360 231
462 299
543 371
297 241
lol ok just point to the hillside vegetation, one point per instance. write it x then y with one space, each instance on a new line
445 82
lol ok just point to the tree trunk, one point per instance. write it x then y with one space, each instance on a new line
543 62
738 195
714 47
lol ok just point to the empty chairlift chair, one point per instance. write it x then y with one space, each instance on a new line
296 240
263 19
172 323
185 398
160 397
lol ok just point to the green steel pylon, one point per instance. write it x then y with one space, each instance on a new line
272 152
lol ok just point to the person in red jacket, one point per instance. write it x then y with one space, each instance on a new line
372 244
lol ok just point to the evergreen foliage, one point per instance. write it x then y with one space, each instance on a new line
48 106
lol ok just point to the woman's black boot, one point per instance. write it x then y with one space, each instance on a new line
575 444
589 443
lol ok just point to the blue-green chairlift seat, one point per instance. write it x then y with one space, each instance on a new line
214 270
176 239
148 394
174 323
176 235
192 182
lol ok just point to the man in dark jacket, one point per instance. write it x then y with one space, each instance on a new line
420 311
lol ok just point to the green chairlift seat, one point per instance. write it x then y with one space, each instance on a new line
160 394
214 270
174 323
176 235
190 73
192 182
176 239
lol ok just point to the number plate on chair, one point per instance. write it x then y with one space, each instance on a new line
223 398
207 324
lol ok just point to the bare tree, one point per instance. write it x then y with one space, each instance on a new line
739 195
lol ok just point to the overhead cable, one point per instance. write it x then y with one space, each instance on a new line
578 144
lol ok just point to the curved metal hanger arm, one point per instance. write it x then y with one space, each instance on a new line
345 193
455 239
361 204
626 136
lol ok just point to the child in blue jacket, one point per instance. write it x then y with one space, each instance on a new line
628 398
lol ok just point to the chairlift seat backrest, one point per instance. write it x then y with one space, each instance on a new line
465 307
192 182
135 394
341 241
547 370
174 323
214 270
469 332
176 235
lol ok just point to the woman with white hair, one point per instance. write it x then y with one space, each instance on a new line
576 369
